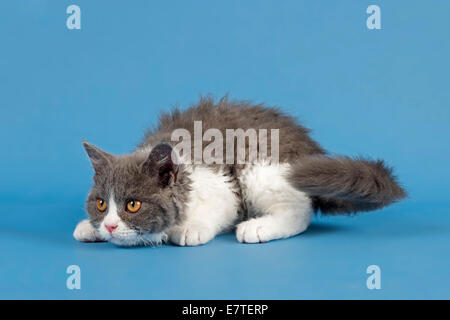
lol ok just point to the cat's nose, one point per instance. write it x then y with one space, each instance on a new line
111 228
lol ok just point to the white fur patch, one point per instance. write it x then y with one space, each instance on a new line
284 211
211 209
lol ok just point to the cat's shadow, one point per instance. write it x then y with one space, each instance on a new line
319 228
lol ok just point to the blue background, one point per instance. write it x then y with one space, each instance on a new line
377 93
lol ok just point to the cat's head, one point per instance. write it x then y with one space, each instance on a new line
134 197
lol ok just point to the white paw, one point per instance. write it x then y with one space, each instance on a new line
192 235
85 232
255 231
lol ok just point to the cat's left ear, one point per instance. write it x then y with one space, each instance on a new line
162 163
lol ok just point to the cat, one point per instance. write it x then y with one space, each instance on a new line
149 196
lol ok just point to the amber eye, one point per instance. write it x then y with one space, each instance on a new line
133 206
101 205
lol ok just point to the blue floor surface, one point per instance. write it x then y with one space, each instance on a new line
409 242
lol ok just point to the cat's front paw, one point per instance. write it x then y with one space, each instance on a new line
192 235
85 232
255 231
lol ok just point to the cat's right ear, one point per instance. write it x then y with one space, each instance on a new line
99 158
163 164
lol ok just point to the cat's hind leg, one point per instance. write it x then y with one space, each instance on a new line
284 211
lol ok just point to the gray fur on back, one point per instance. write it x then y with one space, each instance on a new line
294 141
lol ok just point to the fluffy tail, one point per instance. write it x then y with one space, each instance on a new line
345 185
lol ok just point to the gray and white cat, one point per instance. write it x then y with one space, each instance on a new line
147 197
